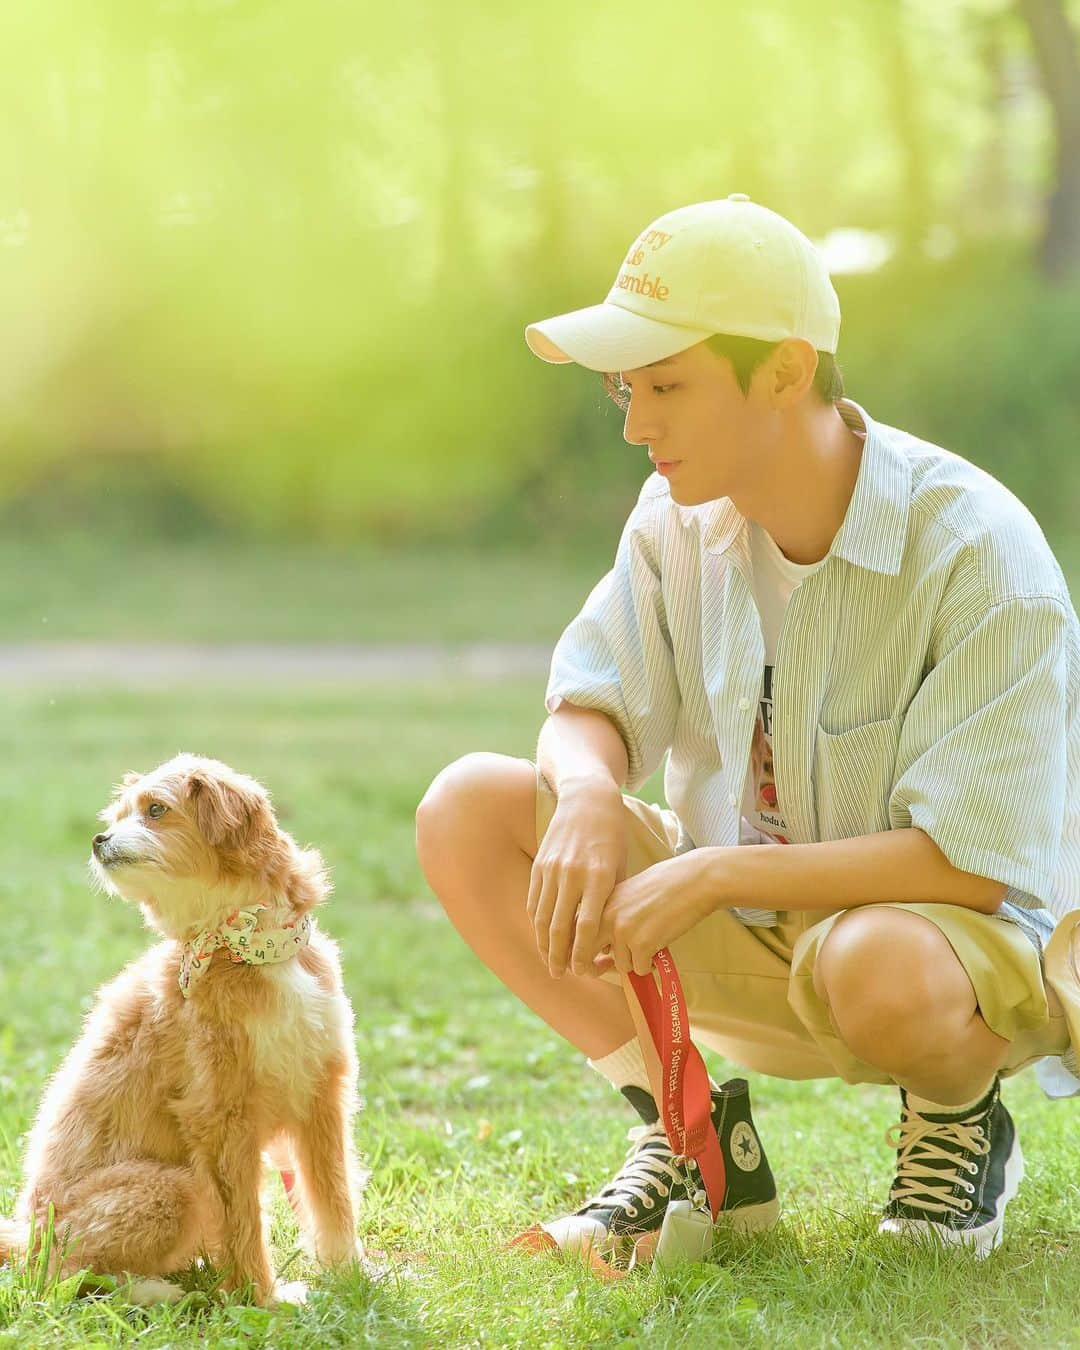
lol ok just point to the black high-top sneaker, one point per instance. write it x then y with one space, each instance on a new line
634 1202
955 1174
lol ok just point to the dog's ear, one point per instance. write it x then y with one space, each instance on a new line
227 813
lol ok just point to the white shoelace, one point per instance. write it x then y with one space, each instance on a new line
913 1134
643 1168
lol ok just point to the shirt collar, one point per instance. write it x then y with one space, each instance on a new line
874 527
875 524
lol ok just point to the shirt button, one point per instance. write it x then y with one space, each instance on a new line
744 703
738 197
732 799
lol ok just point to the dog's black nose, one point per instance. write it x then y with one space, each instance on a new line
99 839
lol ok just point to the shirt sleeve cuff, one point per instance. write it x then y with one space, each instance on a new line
985 863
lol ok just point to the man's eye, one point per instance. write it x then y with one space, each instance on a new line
624 390
156 810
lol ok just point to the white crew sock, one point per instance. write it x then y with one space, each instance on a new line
922 1106
624 1067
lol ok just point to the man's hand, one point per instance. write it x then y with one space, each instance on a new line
581 857
649 911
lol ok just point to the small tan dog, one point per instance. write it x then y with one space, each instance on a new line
230 1037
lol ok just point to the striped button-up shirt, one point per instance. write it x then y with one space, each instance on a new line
927 674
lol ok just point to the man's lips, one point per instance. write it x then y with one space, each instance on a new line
664 463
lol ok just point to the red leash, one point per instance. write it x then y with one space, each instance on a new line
684 1099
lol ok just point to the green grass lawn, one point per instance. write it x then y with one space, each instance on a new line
478 1119
77 584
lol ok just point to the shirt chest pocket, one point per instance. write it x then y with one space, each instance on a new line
853 776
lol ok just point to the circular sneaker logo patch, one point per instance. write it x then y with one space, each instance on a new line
744 1146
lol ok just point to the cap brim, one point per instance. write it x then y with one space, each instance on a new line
607 337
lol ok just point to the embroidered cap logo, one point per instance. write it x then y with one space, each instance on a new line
640 282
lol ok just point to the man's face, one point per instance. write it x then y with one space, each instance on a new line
692 416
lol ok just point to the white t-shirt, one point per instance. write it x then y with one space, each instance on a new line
775 578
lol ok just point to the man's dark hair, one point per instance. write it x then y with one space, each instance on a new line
745 355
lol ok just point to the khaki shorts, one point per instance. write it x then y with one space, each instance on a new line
750 991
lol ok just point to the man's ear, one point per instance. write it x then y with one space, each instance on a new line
226 813
793 366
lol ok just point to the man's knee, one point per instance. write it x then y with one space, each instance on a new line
475 801
886 972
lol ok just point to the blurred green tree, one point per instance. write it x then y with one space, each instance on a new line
284 254
1054 40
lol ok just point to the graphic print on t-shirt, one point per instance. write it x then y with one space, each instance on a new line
767 816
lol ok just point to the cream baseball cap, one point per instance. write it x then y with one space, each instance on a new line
728 266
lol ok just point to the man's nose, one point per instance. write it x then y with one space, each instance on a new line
638 430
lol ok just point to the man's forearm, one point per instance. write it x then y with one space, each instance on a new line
904 865
580 743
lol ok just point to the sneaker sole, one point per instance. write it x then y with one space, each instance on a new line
982 1240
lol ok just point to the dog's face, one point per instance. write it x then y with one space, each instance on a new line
188 840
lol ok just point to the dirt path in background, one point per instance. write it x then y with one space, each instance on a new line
74 663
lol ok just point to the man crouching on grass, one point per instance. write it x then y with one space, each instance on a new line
860 654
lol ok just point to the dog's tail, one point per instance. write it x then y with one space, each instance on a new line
14 1239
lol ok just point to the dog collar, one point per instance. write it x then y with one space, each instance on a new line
245 942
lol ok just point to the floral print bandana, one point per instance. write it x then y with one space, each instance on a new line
246 943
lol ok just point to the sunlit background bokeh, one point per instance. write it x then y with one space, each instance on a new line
267 265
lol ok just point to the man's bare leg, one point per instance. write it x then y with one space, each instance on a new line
900 999
476 840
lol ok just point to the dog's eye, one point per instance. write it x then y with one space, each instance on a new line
156 809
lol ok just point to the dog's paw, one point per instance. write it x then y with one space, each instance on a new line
146 1292
293 1292
343 1252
